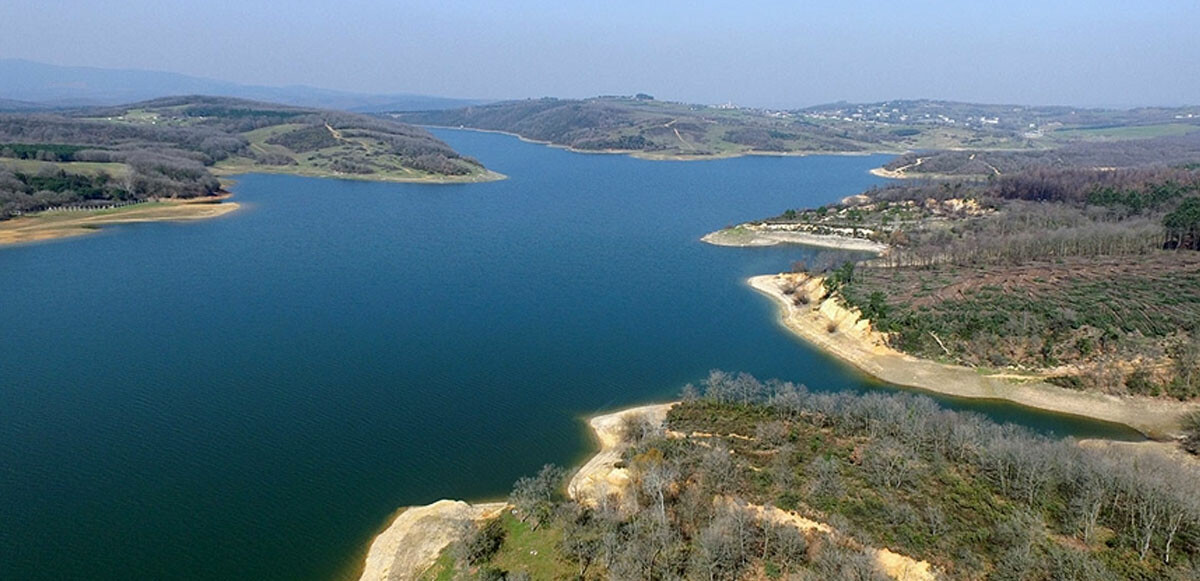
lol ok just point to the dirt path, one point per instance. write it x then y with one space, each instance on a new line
853 341
898 173
990 166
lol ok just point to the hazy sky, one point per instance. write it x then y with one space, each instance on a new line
767 53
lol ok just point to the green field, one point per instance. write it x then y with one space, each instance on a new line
80 167
1131 132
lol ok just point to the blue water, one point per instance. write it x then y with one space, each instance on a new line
251 397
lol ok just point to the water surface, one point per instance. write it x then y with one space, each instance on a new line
251 397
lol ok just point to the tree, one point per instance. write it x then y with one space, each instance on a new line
483 541
1191 432
533 495
636 429
655 475
1183 225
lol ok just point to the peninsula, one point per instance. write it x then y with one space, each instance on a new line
70 172
752 479
1071 290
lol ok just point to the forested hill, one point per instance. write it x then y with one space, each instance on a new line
171 148
660 128
652 128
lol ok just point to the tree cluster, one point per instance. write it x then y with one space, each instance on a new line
977 499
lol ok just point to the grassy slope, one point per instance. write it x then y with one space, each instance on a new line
80 167
366 151
317 163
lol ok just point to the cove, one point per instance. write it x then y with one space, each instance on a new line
252 396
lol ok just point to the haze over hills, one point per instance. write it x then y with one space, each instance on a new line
659 129
40 84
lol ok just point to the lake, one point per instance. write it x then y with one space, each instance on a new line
251 397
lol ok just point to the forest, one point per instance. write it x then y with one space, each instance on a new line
753 479
171 147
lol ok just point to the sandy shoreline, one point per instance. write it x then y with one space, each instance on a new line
62 224
416 536
599 477
857 344
412 542
747 236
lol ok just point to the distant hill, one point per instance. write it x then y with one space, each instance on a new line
62 86
654 128
8 105
660 129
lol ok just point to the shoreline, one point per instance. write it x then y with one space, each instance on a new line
743 236
855 343
599 477
652 156
234 170
416 535
57 224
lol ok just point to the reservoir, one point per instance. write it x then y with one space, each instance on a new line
251 397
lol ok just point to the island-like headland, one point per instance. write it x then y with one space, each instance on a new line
411 544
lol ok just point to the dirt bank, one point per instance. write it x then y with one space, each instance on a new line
62 224
411 544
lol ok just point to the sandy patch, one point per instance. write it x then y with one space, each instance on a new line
62 224
895 565
600 478
749 235
412 543
855 342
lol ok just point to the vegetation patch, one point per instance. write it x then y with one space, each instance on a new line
756 479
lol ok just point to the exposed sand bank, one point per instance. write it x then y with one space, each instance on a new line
411 544
415 538
752 235
600 478
1169 450
62 224
854 341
